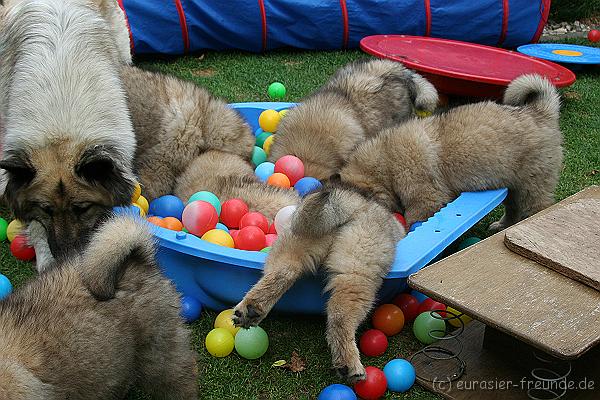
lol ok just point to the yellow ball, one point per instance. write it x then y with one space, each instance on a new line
455 321
142 202
13 229
282 113
218 236
267 144
224 321
137 191
423 114
219 342
142 211
268 120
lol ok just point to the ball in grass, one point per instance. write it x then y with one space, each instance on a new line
374 386
594 36
268 143
3 229
167 206
209 197
250 238
373 343
222 227
427 328
260 139
199 217
259 156
13 229
290 166
283 218
21 249
255 219
251 343
276 90
454 316
268 120
408 304
220 237
388 318
307 185
5 287
337 392
224 321
400 375
232 211
191 308
470 241
264 171
219 342
280 180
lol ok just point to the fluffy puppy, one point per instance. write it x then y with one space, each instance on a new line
68 143
419 166
349 237
97 325
361 99
174 122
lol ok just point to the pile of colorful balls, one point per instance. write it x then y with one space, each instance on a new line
15 233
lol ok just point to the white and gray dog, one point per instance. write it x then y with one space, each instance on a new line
68 143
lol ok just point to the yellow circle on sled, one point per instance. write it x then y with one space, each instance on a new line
568 53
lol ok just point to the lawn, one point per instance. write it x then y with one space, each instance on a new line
245 77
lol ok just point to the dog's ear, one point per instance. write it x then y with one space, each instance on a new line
98 167
20 171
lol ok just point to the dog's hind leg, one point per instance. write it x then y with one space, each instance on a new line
522 203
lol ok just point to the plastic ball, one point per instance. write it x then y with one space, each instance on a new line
222 227
432 305
283 218
224 321
468 242
251 343
594 36
374 386
219 342
452 313
156 221
266 250
428 328
220 237
282 113
402 221
208 197
270 238
373 343
21 249
167 206
255 219
260 139
191 308
276 90
137 192
259 156
172 224
233 233
307 185
268 120
290 166
279 179
272 228
388 318
143 202
5 287
408 304
337 392
264 171
3 229
232 211
268 143
199 217
250 238
400 375
13 229
418 295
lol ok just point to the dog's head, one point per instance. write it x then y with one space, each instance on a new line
68 188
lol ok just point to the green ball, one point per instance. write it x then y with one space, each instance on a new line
425 324
266 250
468 242
276 90
3 227
258 156
251 343
209 197
260 139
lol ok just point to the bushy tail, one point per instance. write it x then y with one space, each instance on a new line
536 92
111 250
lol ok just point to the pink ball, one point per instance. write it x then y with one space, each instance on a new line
232 211
255 219
270 239
199 217
250 238
290 166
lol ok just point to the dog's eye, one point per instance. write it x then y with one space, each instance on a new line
79 209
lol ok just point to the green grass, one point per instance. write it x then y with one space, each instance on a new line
245 77
569 10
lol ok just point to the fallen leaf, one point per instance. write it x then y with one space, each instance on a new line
279 363
296 364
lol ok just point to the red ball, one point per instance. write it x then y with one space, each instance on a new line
402 221
233 233
272 228
373 343
21 249
250 238
374 386
199 217
594 36
408 304
255 219
232 212
388 318
270 239
290 166
432 305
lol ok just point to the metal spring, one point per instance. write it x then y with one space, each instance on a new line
436 352
550 379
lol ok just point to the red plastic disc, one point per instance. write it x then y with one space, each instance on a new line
462 68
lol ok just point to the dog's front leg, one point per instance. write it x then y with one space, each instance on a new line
38 238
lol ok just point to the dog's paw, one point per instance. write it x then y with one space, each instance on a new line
246 315
497 226
352 375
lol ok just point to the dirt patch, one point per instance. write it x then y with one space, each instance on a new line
204 73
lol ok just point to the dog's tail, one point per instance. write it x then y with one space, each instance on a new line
535 92
422 91
112 248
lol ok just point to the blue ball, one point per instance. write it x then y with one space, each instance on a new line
208 197
5 287
167 206
258 132
190 308
400 375
264 171
222 227
420 296
306 185
337 392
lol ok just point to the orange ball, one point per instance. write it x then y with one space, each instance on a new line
279 179
172 223
389 319
156 221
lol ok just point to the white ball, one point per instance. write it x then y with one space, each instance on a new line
283 219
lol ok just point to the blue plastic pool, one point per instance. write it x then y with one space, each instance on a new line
219 276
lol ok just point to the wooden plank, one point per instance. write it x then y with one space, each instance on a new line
518 296
566 239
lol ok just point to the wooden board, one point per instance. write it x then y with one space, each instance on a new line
566 239
518 296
